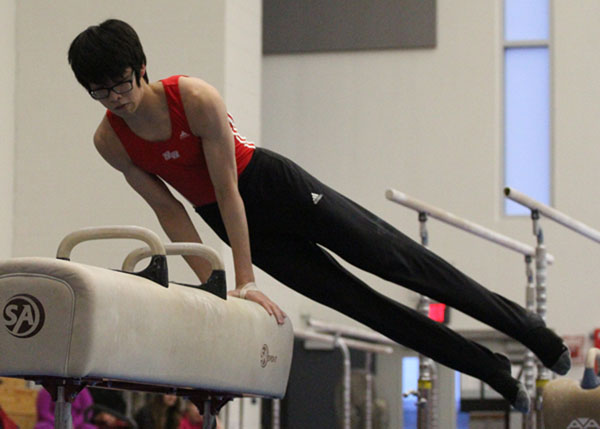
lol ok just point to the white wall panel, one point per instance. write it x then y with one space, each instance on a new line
8 55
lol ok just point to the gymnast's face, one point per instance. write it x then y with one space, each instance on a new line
121 96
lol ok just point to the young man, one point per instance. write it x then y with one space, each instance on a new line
277 216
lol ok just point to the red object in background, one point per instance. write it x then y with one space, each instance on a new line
6 422
597 338
577 344
437 312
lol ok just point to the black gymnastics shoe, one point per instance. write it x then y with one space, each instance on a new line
558 361
562 365
547 346
512 390
522 403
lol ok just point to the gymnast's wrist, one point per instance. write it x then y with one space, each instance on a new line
246 288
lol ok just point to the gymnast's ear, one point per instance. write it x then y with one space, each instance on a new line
141 73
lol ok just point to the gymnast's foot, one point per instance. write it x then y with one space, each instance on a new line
512 390
548 347
522 403
562 365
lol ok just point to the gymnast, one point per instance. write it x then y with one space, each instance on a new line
277 216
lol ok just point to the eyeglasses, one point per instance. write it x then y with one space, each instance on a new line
119 88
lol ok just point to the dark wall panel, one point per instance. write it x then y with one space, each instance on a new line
341 25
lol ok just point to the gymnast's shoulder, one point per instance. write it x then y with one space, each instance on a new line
192 87
202 103
109 146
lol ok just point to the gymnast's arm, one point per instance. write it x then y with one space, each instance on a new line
171 214
207 116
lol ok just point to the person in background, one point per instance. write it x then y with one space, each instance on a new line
160 412
80 408
109 407
192 419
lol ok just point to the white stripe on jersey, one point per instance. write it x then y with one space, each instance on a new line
240 138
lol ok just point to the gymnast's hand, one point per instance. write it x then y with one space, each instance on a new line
251 293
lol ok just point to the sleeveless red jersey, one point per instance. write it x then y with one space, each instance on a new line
179 160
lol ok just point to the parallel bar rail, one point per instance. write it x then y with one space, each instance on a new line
553 214
353 344
347 331
460 223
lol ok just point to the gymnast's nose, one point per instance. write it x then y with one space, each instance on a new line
113 97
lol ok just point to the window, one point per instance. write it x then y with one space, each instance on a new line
527 102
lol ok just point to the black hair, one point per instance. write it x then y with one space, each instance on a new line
103 52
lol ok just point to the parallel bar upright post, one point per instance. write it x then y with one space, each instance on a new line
425 400
347 377
529 360
541 306
368 390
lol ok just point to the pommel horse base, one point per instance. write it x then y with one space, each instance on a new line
70 325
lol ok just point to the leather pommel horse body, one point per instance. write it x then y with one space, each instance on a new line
69 325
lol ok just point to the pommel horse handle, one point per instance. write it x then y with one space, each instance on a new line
156 271
193 249
215 284
102 232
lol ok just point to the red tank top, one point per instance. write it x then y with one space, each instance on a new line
179 160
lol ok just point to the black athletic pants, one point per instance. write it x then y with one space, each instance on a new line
291 215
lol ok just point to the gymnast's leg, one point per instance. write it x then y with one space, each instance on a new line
311 271
386 252
295 203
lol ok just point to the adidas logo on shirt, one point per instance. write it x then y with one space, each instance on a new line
316 198
183 135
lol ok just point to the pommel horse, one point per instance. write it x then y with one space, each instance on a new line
69 325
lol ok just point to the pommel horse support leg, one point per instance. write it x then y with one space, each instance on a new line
69 325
